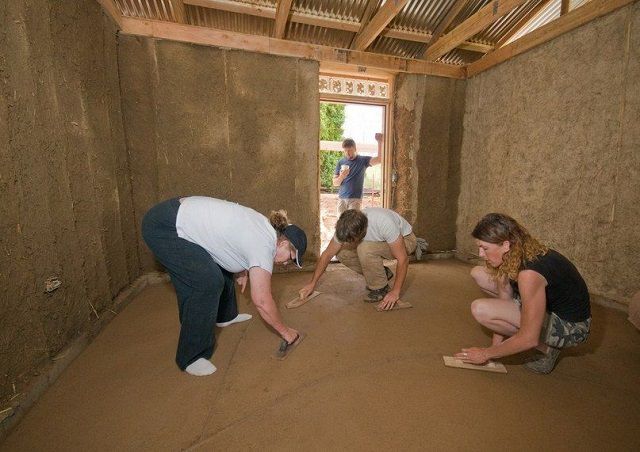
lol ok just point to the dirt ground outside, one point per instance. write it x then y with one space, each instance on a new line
329 216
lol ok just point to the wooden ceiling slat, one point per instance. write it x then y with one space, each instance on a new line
470 27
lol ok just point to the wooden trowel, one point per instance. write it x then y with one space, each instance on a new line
296 302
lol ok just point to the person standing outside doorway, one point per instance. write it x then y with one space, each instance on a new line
349 174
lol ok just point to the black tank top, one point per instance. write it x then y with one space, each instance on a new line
566 291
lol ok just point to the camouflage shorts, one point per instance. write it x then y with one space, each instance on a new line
560 333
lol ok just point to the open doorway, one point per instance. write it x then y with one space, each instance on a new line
360 122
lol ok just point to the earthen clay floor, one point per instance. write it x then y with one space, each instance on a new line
362 380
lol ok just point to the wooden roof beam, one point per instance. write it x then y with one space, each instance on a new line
565 6
378 23
444 23
470 27
282 16
326 22
265 44
563 24
523 22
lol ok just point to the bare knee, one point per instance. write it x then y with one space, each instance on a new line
481 310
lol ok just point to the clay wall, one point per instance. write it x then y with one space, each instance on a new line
428 114
552 137
65 197
229 124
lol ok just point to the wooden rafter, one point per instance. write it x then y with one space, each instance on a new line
369 9
444 23
523 22
263 44
318 21
473 25
282 16
377 24
565 5
571 20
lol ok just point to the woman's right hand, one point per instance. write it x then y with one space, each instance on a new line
290 335
306 291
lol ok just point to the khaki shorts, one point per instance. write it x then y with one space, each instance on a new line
560 333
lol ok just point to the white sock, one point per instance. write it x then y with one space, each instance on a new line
201 367
239 318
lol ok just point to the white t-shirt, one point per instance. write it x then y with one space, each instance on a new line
236 237
384 225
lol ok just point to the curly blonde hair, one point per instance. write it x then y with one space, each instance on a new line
496 228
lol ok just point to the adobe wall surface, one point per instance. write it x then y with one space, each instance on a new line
229 124
428 114
65 197
552 137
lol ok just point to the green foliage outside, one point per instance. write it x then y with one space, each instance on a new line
331 122
328 162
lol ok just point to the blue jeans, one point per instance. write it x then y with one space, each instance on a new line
205 291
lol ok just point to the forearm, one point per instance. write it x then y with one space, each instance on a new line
515 344
269 312
337 181
401 274
321 266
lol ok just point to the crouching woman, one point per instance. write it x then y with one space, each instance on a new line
538 298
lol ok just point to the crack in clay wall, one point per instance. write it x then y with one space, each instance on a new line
551 137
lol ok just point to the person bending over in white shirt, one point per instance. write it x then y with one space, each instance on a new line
203 243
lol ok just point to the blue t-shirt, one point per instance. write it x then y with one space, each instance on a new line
351 186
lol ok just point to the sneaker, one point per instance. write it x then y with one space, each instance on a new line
545 363
377 295
389 273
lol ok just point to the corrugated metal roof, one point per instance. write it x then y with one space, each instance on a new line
417 17
499 28
224 20
319 35
546 15
351 10
397 47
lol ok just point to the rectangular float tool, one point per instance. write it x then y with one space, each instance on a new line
491 366
298 302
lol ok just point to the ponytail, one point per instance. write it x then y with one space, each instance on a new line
279 220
